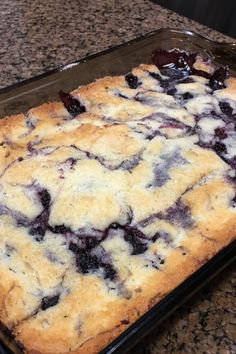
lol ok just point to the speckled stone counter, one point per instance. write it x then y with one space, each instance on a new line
37 36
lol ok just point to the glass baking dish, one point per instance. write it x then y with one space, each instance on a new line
119 60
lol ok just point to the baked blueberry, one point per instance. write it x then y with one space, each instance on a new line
136 239
132 81
217 80
220 148
226 108
73 105
49 301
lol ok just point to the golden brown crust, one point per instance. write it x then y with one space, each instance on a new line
98 210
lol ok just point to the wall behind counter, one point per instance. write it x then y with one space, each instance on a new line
217 14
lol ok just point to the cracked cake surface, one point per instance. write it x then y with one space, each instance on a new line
112 197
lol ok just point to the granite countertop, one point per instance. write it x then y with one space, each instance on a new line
37 36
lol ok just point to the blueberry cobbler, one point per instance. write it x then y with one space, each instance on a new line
111 198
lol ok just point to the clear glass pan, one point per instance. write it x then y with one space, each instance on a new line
22 96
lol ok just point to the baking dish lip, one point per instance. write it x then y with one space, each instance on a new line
225 46
20 97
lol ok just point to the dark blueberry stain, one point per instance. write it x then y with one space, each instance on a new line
88 261
171 92
39 225
205 145
149 220
141 97
74 247
131 163
178 214
132 81
125 322
31 149
109 270
155 237
89 242
217 80
49 301
30 125
152 134
72 162
86 239
161 176
115 226
73 105
221 133
214 142
163 235
153 264
136 238
165 122
187 96
21 219
60 229
168 84
162 261
164 83
175 76
231 177
233 202
161 170
45 198
123 96
232 163
226 108
20 159
156 76
220 148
